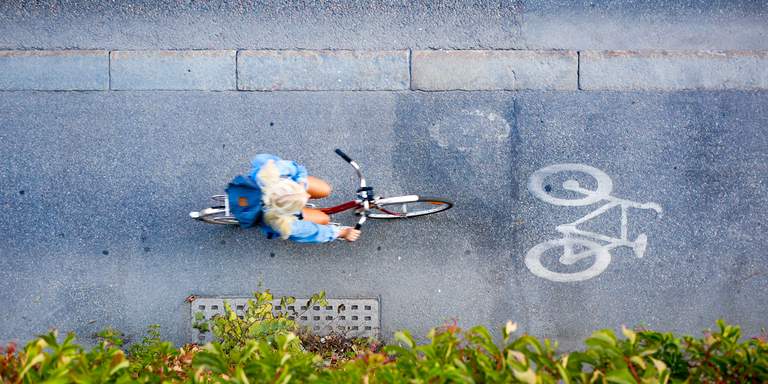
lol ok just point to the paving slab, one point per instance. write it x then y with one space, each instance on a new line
96 188
54 70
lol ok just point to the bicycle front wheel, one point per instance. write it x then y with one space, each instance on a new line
538 186
403 207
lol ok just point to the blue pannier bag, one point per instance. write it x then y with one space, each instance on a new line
245 201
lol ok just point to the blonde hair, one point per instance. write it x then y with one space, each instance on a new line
282 198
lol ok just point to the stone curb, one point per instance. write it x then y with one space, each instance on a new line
673 70
322 70
54 70
340 70
209 70
473 70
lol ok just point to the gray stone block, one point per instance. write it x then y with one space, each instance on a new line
54 70
673 70
209 70
270 70
494 70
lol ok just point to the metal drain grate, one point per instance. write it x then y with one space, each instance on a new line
358 317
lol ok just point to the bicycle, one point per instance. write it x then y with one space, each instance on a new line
601 252
366 204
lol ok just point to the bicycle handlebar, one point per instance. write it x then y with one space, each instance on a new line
366 203
343 155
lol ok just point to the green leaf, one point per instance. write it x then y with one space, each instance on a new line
659 365
527 376
39 358
119 366
241 376
637 360
509 329
518 356
629 334
605 336
647 352
564 376
620 376
405 338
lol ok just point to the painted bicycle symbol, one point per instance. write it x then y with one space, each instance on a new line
577 239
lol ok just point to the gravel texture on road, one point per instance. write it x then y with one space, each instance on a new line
422 24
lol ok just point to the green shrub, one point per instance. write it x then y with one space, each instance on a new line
45 359
264 347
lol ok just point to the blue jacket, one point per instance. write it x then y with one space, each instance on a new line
246 205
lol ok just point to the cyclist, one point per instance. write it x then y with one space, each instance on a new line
285 188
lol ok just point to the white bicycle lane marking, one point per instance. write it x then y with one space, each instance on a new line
573 237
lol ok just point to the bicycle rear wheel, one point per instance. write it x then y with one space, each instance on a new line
403 207
216 215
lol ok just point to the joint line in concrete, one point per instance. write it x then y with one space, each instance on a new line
578 70
410 68
237 70
109 70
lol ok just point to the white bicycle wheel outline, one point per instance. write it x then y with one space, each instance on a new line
604 184
602 258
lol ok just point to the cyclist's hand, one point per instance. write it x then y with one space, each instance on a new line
349 234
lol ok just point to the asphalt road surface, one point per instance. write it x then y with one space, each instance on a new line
96 188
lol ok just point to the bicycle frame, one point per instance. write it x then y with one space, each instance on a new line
365 194
342 207
569 230
358 204
366 199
